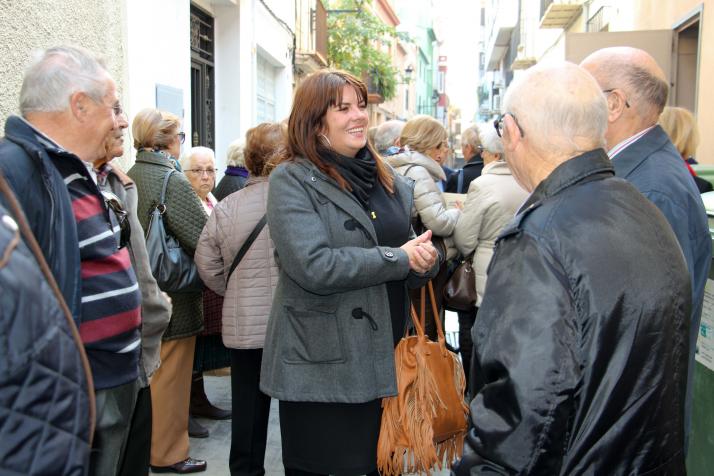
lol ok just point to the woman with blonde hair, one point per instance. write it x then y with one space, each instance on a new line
424 144
681 127
157 139
339 220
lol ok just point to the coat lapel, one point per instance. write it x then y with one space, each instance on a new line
343 199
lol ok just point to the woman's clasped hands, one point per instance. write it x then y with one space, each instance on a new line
421 252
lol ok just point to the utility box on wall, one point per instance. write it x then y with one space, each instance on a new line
700 458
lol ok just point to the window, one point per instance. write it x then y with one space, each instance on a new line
265 103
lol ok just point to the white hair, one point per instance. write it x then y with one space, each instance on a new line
186 157
559 108
56 73
387 133
471 136
234 154
489 139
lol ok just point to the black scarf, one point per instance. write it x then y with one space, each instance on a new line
360 172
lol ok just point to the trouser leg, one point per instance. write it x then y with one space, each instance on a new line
251 408
138 444
114 410
170 395
466 322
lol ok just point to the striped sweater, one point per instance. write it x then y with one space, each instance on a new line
111 300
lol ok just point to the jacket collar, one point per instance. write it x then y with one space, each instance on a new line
475 160
343 199
589 166
634 154
21 132
412 157
497 167
156 158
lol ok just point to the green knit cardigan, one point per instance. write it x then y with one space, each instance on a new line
184 219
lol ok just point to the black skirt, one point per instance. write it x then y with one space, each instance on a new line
330 438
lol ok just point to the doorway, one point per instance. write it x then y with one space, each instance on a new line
202 79
686 59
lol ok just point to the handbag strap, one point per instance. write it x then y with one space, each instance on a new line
162 198
420 320
32 244
248 242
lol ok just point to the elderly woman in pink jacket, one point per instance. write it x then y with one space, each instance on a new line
234 257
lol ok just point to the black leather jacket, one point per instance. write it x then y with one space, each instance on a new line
580 346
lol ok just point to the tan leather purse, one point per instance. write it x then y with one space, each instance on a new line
425 424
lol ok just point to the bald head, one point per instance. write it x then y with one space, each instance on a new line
560 106
553 113
636 73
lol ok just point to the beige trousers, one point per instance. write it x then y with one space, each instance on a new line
170 396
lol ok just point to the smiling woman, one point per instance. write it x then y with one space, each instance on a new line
339 220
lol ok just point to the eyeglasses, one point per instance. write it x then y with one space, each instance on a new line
122 216
498 124
182 136
608 91
209 172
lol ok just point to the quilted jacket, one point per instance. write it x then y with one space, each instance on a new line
44 399
428 202
184 219
249 293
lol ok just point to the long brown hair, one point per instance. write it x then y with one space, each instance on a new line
318 92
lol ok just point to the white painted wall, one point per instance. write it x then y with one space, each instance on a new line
158 51
228 70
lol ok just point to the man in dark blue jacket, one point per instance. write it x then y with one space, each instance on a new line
459 181
69 105
641 152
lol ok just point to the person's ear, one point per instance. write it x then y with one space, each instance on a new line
397 142
79 104
511 133
616 105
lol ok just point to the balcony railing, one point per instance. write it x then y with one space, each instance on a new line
559 13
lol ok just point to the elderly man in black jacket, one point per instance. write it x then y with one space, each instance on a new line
582 338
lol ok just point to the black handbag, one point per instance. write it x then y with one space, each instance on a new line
460 290
173 268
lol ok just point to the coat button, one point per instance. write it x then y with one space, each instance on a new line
389 254
313 179
357 313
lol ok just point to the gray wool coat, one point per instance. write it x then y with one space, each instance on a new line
329 335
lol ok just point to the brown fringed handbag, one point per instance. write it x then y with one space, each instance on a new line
425 424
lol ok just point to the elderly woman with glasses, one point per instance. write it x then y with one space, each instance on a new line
199 165
491 202
425 146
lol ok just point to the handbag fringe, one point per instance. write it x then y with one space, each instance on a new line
414 449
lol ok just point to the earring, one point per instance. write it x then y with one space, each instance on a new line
325 140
